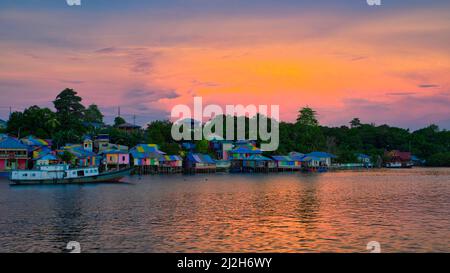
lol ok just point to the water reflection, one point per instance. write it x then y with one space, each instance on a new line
406 210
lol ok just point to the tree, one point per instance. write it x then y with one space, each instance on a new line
119 121
356 122
69 110
202 146
33 120
92 114
307 117
67 157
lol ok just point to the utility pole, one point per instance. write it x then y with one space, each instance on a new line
134 120
118 111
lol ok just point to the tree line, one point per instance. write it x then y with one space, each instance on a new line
71 120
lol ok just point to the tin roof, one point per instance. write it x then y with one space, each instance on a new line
12 143
200 158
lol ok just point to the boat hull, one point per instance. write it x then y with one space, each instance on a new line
109 177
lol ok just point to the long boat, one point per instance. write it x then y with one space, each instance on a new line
62 174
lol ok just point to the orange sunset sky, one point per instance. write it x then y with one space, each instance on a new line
387 64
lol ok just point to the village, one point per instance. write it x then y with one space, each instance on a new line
224 156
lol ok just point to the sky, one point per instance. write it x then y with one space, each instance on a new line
345 59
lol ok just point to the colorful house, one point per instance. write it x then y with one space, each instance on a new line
45 160
88 144
13 154
398 159
145 158
220 146
36 143
199 163
313 163
84 158
287 163
244 151
115 159
365 160
258 163
101 143
323 158
170 164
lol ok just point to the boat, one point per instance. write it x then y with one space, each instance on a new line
399 165
62 174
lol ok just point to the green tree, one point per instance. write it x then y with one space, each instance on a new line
93 114
119 121
307 117
202 146
69 110
356 122
33 120
67 157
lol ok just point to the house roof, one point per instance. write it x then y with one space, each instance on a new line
146 151
78 151
400 155
34 141
170 158
283 158
246 149
50 157
41 152
321 155
311 158
127 125
114 152
200 158
253 157
3 123
12 143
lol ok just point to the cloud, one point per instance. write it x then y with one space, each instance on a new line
428 86
143 95
140 59
401 93
72 81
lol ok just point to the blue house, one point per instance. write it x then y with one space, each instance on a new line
199 163
365 160
287 163
13 154
323 158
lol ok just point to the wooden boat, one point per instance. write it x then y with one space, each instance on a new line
62 174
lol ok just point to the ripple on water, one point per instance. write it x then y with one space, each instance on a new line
405 210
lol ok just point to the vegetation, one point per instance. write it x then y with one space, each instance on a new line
65 125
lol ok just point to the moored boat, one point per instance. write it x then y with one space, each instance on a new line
62 174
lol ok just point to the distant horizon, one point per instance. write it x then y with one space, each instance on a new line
384 64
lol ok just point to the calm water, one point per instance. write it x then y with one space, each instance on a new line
405 210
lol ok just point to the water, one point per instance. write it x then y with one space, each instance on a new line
404 210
